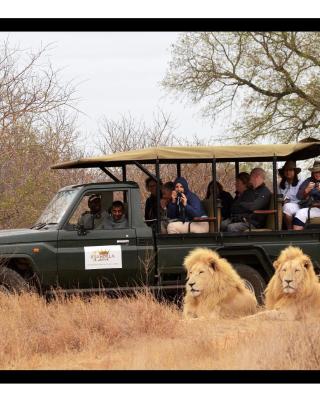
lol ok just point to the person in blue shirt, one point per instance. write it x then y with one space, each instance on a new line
183 207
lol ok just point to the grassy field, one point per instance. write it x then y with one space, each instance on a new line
140 333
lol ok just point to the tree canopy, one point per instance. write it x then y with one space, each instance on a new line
271 81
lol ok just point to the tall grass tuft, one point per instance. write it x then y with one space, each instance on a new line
140 333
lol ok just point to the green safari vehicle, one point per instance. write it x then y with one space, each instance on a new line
58 252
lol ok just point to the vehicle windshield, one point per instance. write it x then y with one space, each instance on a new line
57 207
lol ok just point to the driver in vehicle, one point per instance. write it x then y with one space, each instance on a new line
94 218
117 218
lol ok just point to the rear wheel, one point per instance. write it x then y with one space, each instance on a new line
12 282
253 280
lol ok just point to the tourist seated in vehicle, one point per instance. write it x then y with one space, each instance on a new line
94 218
288 187
117 218
308 194
183 208
225 197
150 211
166 190
257 198
244 193
242 187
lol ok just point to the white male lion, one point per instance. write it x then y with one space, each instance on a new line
294 290
213 288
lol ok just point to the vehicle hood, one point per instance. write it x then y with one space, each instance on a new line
26 235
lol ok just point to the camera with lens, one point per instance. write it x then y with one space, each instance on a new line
317 183
179 198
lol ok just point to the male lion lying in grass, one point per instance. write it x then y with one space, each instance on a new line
214 289
294 291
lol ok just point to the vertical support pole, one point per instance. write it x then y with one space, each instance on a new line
275 192
214 193
178 170
124 172
158 195
124 178
237 169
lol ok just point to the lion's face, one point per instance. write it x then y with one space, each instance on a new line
293 274
199 279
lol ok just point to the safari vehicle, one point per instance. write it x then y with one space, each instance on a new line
58 253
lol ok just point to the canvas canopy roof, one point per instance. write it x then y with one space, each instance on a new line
166 155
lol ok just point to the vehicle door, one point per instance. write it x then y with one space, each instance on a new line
91 257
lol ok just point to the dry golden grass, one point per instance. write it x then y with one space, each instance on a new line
140 333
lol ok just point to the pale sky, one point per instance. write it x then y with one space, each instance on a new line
117 73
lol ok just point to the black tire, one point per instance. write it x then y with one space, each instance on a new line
12 282
253 280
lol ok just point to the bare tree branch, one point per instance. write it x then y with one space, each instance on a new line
37 129
130 134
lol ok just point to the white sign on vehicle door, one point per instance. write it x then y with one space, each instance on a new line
103 257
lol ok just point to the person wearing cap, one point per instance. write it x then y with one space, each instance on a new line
308 193
94 218
183 207
289 187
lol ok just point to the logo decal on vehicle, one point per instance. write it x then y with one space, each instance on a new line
103 257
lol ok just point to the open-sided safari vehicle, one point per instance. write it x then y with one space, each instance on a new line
58 252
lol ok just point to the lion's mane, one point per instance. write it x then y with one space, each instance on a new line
223 293
306 299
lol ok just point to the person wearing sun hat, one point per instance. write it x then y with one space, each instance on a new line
308 193
289 187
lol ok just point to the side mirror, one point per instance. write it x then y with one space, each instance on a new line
81 230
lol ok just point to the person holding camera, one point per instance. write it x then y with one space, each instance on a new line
289 187
183 207
308 194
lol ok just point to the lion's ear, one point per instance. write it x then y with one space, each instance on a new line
212 264
307 263
276 264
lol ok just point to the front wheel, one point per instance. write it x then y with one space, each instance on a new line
253 280
12 282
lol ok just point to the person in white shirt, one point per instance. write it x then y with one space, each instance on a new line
288 187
